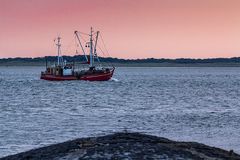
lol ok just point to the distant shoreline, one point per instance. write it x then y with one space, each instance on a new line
149 62
35 64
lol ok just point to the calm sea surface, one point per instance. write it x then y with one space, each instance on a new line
186 104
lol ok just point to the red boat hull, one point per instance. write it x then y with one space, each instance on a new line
91 77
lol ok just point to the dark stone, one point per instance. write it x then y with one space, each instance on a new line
125 146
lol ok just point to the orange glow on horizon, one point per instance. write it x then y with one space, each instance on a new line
131 29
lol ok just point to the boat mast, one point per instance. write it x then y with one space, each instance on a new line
91 48
46 62
95 46
59 49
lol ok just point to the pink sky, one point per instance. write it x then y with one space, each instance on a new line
130 28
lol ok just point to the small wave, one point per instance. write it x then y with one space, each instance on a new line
114 79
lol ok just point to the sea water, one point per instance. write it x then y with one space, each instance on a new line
184 104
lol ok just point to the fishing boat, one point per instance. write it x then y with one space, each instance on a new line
64 71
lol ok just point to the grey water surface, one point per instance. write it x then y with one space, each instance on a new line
185 104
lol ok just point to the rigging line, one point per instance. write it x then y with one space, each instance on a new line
94 33
68 46
104 45
79 37
75 42
106 49
76 45
102 51
83 33
96 54
108 63
83 39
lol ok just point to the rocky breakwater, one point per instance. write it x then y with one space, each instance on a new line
125 146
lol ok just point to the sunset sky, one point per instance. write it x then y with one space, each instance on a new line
130 28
